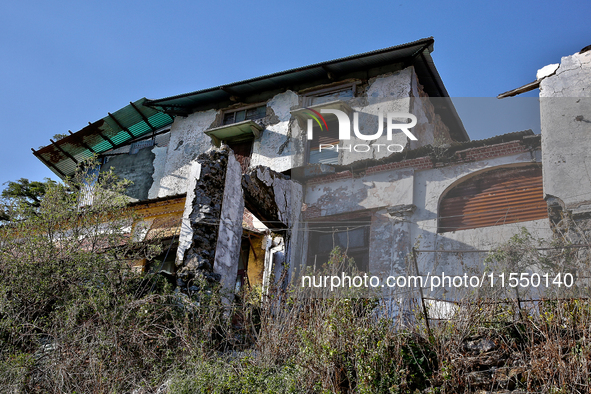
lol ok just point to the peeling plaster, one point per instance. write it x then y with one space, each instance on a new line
368 192
160 154
186 134
274 148
565 107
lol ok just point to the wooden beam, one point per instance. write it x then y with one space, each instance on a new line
64 152
121 126
143 116
48 163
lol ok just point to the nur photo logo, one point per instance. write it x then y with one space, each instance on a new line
344 129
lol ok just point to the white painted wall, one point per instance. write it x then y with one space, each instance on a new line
187 141
565 110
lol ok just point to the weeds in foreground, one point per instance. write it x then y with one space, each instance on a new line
75 318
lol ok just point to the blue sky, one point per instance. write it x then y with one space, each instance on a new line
66 63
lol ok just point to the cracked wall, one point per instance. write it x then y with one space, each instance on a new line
395 232
565 109
187 141
275 148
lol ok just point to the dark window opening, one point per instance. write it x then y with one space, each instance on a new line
242 151
241 276
352 239
164 263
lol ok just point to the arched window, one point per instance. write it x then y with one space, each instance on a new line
492 198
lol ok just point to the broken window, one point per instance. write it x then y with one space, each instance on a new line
248 113
493 198
351 237
323 148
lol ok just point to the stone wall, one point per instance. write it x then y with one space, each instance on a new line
204 214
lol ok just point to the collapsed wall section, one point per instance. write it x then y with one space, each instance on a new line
276 199
201 219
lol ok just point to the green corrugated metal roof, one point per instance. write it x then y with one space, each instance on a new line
61 157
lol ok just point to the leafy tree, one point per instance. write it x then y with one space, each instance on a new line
22 196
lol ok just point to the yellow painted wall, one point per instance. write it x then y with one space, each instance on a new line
256 265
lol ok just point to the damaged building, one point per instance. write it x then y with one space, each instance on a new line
253 181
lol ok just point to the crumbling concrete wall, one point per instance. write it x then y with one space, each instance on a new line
187 141
277 200
140 163
350 194
281 145
201 220
404 205
186 233
159 163
430 128
268 194
393 92
276 146
565 110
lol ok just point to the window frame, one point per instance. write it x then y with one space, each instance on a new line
307 96
339 225
242 108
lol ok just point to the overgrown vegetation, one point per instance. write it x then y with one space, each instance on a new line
75 318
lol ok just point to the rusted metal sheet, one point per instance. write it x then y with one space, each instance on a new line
494 198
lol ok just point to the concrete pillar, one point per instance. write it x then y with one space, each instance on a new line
227 249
